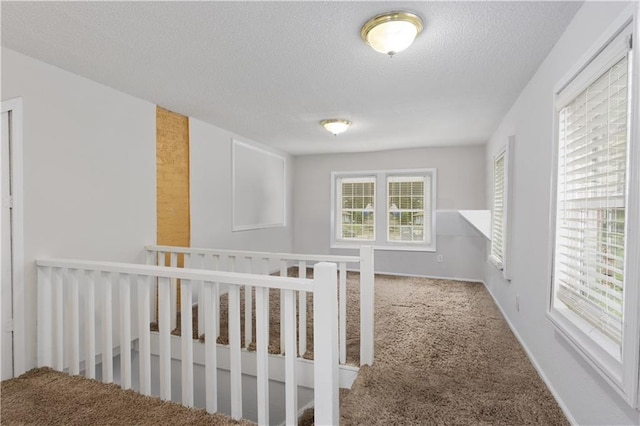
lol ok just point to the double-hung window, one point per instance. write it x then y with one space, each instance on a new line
391 209
594 297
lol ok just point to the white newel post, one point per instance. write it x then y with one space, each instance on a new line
45 318
325 343
366 305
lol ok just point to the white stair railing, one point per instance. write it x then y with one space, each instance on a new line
263 263
64 286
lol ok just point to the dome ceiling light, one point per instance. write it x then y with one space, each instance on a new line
335 125
391 32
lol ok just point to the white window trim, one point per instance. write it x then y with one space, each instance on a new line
623 376
381 189
502 265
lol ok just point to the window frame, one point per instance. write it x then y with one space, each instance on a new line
381 211
505 152
622 375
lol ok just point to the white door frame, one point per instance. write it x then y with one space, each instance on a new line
14 107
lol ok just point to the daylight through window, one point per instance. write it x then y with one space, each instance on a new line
357 197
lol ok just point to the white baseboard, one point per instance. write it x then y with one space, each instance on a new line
469 280
541 373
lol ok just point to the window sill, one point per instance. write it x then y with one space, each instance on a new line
355 246
584 339
496 262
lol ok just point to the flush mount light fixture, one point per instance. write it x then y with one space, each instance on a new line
391 32
336 125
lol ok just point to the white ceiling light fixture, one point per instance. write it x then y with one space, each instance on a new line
391 32
336 125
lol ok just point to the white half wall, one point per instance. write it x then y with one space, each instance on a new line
582 393
211 195
461 177
89 170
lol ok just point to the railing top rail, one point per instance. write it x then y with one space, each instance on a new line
262 254
267 281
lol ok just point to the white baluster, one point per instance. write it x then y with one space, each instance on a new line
248 308
144 294
291 381
186 321
90 326
235 352
262 353
283 273
151 259
58 320
164 329
200 265
215 265
173 262
342 312
302 306
74 324
107 328
211 316
265 271
125 332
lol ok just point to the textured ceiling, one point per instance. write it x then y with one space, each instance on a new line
270 71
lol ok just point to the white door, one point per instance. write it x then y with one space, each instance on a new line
5 252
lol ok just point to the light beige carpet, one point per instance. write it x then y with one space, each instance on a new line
444 355
47 397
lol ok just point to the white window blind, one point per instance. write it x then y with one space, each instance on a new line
356 215
409 208
591 203
499 198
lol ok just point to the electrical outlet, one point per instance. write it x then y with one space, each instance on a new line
440 258
517 303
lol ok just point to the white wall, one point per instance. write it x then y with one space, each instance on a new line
460 180
582 392
211 195
89 170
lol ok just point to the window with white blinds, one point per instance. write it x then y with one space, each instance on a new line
592 170
591 285
399 203
498 217
408 210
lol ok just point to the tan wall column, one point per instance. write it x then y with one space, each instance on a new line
172 181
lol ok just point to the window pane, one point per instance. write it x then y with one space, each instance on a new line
406 208
358 201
